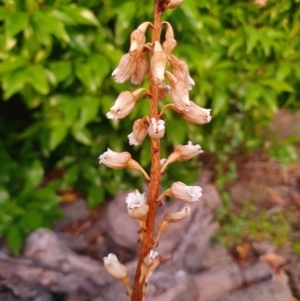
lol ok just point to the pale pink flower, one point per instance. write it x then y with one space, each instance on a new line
114 267
159 62
156 129
140 131
126 68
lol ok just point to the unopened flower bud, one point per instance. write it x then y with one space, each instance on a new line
178 216
181 71
156 129
125 69
121 160
170 43
159 61
139 131
183 192
141 69
124 104
172 218
138 39
136 205
179 92
149 264
183 153
114 267
174 3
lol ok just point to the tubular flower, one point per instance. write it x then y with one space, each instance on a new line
138 39
115 160
124 104
125 69
158 62
114 267
136 205
121 160
183 153
196 114
170 43
140 70
174 3
179 190
150 262
179 93
139 131
156 129
181 71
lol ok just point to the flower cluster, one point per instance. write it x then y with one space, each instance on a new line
158 60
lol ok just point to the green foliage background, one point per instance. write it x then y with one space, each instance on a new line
56 59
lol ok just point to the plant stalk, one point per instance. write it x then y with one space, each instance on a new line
153 190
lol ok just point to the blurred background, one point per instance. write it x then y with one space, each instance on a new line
56 60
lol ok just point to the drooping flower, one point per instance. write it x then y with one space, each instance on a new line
139 131
195 114
124 104
140 70
156 129
136 205
121 160
159 62
114 267
149 264
138 39
115 160
183 192
181 71
183 153
179 93
126 68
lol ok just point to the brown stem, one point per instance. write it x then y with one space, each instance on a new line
147 242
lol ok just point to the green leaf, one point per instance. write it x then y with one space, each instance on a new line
82 135
62 70
84 74
13 82
252 95
14 238
89 111
220 102
51 25
15 23
277 85
58 133
34 175
37 78
81 15
4 13
33 220
95 196
12 63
